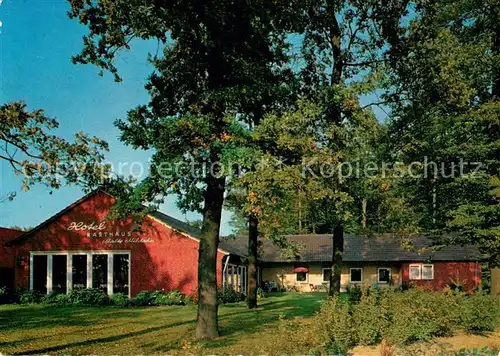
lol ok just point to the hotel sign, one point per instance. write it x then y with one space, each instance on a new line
100 230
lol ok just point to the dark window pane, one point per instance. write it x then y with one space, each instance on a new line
326 275
356 275
302 276
120 274
384 275
100 272
59 275
40 273
79 271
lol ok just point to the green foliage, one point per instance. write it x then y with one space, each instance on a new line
403 317
367 320
38 156
485 351
480 313
229 295
417 315
171 298
146 298
120 300
354 293
334 326
30 297
88 296
260 293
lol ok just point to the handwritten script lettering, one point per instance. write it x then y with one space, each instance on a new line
81 226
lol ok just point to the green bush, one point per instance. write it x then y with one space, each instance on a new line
402 317
120 300
145 298
229 295
480 313
354 293
90 296
49 298
334 326
368 323
417 315
171 298
31 297
485 351
260 293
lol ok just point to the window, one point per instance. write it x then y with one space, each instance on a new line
384 275
326 274
415 272
355 275
120 274
418 272
100 272
39 282
60 271
301 276
427 271
79 271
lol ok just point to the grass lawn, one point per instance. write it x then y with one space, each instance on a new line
36 329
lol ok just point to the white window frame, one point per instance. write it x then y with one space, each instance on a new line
378 274
432 270
350 275
307 277
419 272
323 274
69 267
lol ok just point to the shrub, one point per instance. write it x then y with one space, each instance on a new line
61 299
334 327
49 298
229 295
90 296
31 297
171 298
145 298
354 293
120 300
418 315
480 313
367 319
260 293
485 351
402 317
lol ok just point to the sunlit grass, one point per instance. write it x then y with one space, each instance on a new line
109 330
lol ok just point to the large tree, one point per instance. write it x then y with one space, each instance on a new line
344 53
203 89
36 154
447 119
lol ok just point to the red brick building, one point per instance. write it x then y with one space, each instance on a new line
7 257
80 248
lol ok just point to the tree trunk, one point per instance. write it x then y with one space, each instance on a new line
253 235
364 202
338 251
206 321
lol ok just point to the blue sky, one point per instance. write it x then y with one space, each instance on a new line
37 41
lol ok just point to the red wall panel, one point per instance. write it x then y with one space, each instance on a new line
7 254
468 273
167 260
